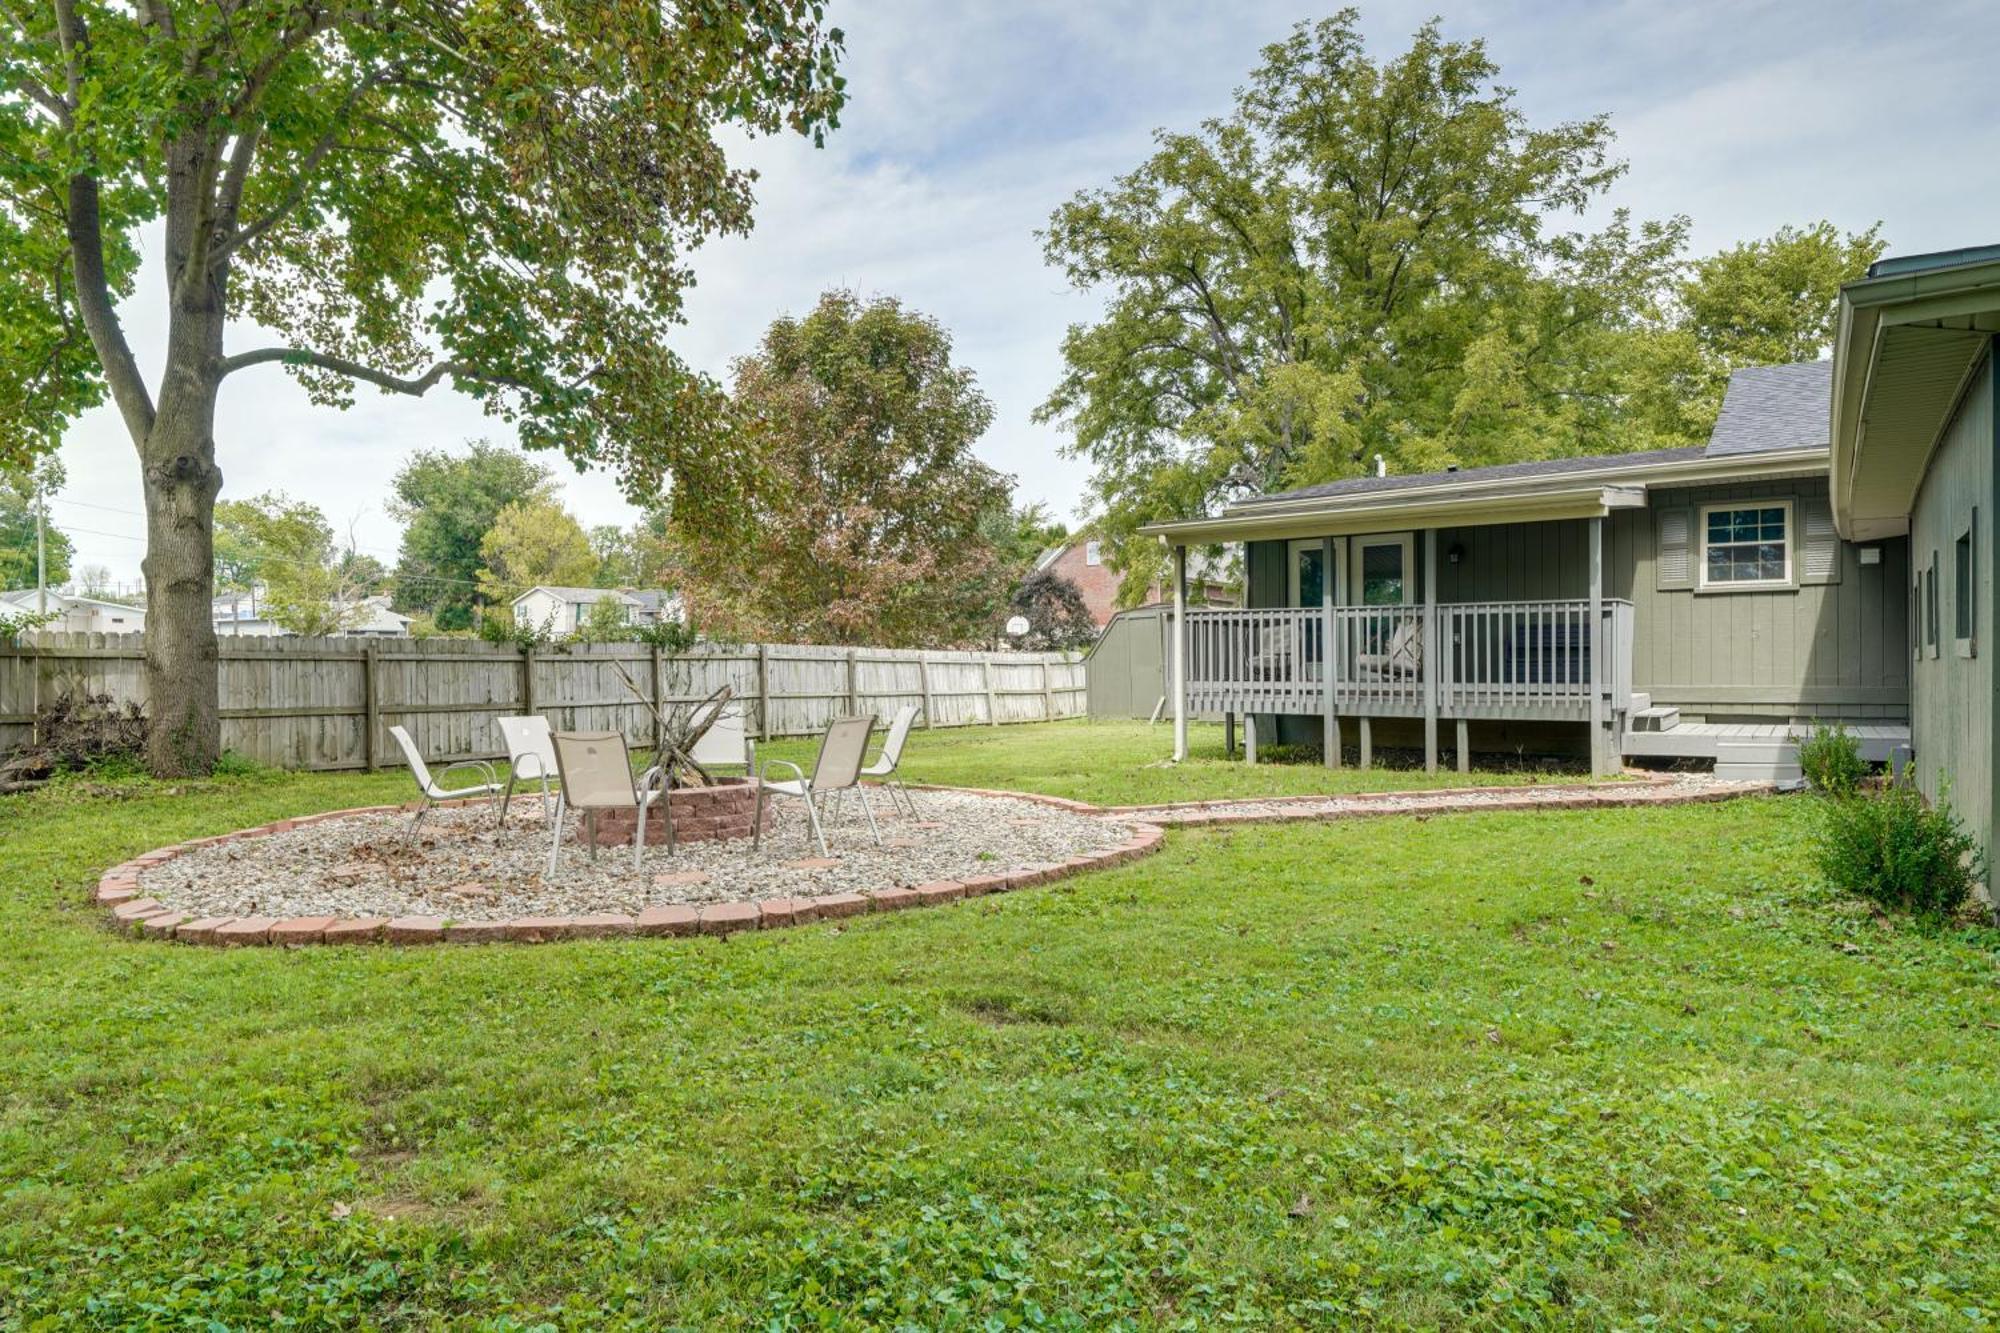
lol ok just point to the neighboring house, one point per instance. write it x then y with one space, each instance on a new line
1081 561
567 610
82 615
244 616
1916 430
1692 602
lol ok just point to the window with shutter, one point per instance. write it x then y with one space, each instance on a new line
1673 552
1819 544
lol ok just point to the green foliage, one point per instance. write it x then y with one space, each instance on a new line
1363 259
281 552
870 519
1236 1084
1899 851
1057 618
17 526
448 503
1831 759
533 542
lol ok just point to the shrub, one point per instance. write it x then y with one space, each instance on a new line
1831 758
1898 850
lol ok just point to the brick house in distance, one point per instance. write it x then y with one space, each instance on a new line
1080 560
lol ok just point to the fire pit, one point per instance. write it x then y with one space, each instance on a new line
701 814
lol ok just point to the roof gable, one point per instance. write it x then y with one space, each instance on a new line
1775 407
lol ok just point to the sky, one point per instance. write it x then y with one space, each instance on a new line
971 120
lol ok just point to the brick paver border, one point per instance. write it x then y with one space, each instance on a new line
129 912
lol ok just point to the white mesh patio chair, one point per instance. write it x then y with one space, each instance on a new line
594 770
531 757
727 742
433 788
883 769
837 769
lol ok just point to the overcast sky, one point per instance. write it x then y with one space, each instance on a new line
972 119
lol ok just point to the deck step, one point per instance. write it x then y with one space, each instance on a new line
1640 702
1655 719
1756 772
1758 761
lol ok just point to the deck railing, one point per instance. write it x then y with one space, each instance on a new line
1526 659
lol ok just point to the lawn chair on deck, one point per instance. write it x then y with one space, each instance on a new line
837 769
433 790
596 774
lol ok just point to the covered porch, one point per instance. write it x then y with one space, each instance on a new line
1371 624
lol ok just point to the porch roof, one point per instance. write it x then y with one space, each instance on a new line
1542 490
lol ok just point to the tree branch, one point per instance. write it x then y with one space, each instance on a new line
340 365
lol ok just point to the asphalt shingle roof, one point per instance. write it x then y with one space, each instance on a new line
1775 407
1541 467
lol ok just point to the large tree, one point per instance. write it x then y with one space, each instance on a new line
497 196
532 542
17 526
1358 260
869 523
448 503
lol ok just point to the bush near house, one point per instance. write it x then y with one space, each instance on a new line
1899 851
1831 759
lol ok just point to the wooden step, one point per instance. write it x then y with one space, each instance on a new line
1758 761
1756 772
1640 702
1656 719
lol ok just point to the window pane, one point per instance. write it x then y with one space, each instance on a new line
1718 525
1961 594
1310 586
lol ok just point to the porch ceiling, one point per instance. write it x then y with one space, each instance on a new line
1427 511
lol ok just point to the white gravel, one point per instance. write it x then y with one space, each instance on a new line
465 868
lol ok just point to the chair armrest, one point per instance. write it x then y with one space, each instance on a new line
769 764
481 765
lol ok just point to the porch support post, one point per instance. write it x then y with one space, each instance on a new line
1330 722
1464 747
1367 741
1433 663
1599 762
1180 653
1250 739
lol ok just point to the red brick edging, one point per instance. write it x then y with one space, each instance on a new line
118 889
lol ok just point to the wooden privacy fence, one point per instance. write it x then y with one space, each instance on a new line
329 703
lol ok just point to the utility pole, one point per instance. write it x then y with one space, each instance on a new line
41 547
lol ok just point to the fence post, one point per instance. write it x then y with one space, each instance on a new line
371 705
853 683
1048 693
528 681
924 684
763 691
659 699
992 716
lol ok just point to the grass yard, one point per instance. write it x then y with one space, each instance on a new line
1125 763
1503 1068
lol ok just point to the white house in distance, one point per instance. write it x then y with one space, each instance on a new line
79 615
557 610
242 617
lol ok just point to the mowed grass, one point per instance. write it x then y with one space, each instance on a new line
1598 1068
1126 763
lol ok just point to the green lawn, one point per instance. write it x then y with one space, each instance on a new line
1500 1068
1125 763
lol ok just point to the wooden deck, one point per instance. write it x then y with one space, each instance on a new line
1704 740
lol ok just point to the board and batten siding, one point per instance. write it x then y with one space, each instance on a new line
1833 645
1952 703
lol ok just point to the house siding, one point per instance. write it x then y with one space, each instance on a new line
1952 697
1819 649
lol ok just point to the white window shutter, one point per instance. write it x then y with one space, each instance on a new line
1673 549
1818 543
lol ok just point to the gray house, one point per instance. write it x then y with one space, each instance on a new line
1694 602
1915 433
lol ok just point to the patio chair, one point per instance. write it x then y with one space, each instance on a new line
595 772
727 742
884 767
1402 656
837 769
531 757
432 788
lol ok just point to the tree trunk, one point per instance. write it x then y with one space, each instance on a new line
177 460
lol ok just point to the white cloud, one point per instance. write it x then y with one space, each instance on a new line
969 122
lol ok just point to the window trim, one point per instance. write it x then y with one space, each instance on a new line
1931 616
1791 579
1965 593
